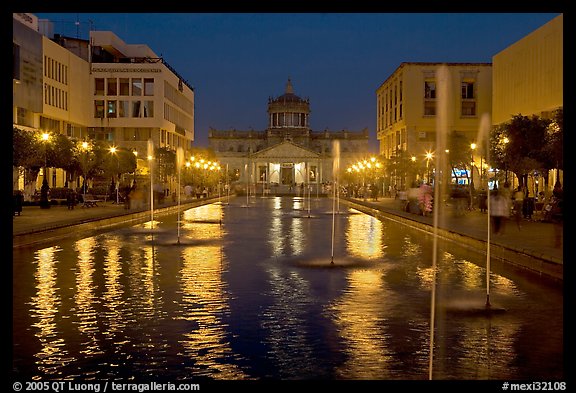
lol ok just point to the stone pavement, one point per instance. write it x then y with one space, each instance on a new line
532 239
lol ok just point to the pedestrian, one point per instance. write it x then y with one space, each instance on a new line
17 202
425 198
518 205
557 213
499 211
71 199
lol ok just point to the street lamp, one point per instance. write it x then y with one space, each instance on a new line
85 167
44 203
113 151
472 148
429 156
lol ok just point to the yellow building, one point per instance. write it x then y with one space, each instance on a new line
528 76
407 105
528 79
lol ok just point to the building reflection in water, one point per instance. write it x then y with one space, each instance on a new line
85 297
360 316
45 306
204 305
364 237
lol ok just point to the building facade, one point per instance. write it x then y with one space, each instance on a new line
408 106
100 89
528 76
528 79
288 152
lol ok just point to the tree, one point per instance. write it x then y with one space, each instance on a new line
519 145
459 153
28 157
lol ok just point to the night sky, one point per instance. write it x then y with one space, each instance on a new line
236 61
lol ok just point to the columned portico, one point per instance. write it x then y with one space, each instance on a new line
283 167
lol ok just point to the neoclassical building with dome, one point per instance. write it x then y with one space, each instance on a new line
288 152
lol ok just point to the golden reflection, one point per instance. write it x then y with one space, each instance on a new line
297 204
142 283
296 237
503 284
113 290
364 236
204 302
359 317
277 203
85 296
45 307
275 236
211 212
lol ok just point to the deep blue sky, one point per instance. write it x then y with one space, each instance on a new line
235 61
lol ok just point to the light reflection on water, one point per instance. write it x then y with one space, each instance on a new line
231 304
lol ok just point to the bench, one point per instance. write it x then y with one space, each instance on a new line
90 201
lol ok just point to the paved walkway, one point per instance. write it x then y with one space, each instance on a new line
533 238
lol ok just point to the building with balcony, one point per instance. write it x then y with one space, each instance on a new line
99 88
408 107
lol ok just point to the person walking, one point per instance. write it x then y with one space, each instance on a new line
499 211
518 206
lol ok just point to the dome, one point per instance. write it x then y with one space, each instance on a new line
289 95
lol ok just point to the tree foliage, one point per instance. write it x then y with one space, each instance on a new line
527 144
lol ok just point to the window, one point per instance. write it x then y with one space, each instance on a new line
136 86
15 61
467 90
136 108
99 86
111 111
468 102
148 86
123 108
99 109
468 108
148 108
124 86
262 173
429 108
112 87
312 173
430 90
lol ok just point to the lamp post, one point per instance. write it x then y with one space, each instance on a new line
84 161
135 152
429 156
44 203
113 151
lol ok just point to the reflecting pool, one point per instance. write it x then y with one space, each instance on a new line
249 293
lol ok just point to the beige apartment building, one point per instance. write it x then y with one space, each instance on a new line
408 104
528 79
101 89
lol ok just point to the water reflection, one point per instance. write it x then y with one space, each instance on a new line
113 289
233 304
364 236
284 322
360 315
85 297
204 304
45 307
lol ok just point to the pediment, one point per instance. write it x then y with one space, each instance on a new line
286 150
